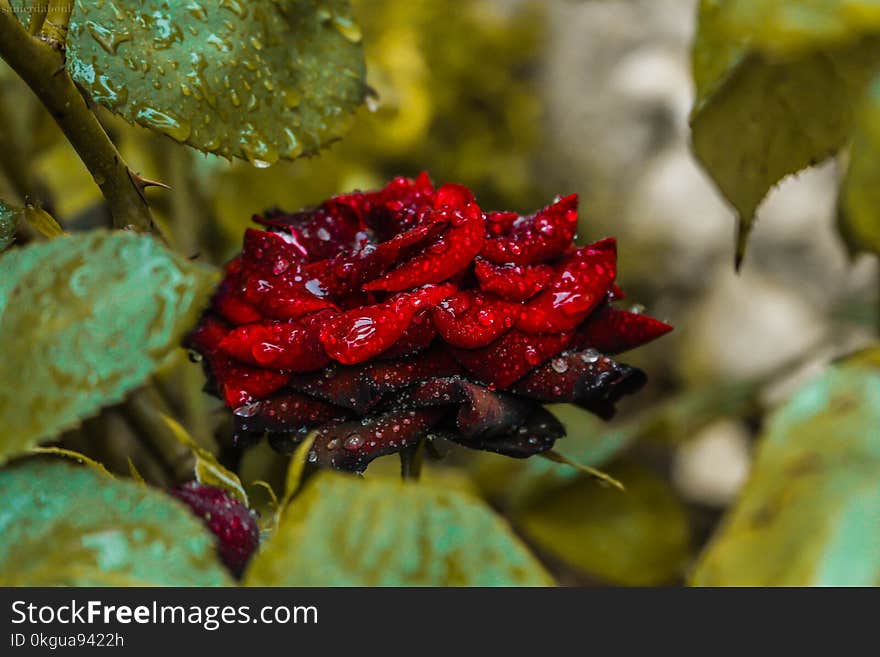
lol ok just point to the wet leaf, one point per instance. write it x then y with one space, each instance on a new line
43 222
10 217
208 469
75 456
71 526
637 538
810 513
260 80
88 318
773 104
859 217
345 531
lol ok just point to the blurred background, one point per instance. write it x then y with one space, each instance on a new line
523 100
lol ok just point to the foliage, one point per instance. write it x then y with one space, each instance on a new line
429 537
67 525
808 515
777 90
92 321
98 312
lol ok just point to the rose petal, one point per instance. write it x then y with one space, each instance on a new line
510 357
538 238
445 256
358 335
469 319
236 383
352 445
348 387
418 336
586 378
386 376
395 208
286 412
537 434
319 233
229 302
482 413
284 346
581 284
513 282
613 331
345 273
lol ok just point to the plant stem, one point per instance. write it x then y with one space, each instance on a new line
411 461
143 410
42 68
54 28
38 16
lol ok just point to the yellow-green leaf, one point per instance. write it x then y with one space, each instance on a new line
261 80
640 537
85 319
345 531
810 513
208 469
762 114
859 216
64 525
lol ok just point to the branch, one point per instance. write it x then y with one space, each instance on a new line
54 28
42 68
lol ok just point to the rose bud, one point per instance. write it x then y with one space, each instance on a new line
229 520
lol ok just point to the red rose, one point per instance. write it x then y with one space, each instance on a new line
381 316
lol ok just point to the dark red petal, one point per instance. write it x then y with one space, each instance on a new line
539 238
482 413
469 319
417 337
513 282
393 209
358 335
348 387
509 358
233 524
237 384
500 223
345 273
386 376
231 304
285 297
613 331
583 377
445 256
320 233
272 253
537 434
286 412
283 346
581 284
454 196
352 445
616 294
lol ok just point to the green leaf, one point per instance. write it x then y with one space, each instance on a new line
87 318
762 114
64 525
345 531
640 537
790 26
261 80
810 513
208 470
10 217
859 216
